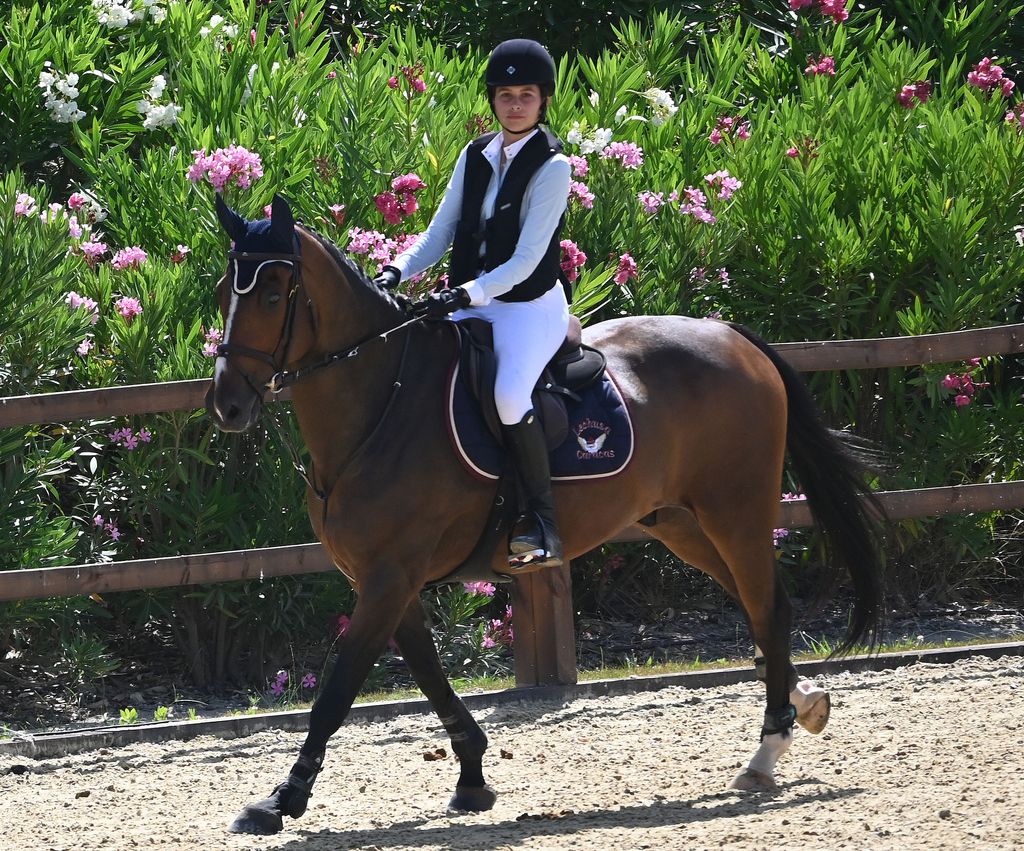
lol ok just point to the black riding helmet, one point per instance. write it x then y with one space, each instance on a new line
520 62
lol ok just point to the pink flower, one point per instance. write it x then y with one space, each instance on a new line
331 75
145 435
226 165
98 521
129 258
778 535
282 677
651 201
792 152
1016 116
24 205
277 688
85 346
408 183
627 269
572 259
822 65
834 9
629 155
392 82
419 85
989 77
724 183
797 5
338 211
793 497
387 203
485 589
112 530
93 251
962 400
74 229
923 90
581 193
580 166
342 625
309 681
178 255
77 302
129 308
77 201
951 382
213 338
727 127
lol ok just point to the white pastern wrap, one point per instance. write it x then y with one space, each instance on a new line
805 695
773 746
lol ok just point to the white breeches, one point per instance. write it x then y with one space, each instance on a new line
526 336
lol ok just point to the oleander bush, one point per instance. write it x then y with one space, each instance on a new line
814 173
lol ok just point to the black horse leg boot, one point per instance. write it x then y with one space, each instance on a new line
535 542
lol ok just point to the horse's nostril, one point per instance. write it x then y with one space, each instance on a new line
232 413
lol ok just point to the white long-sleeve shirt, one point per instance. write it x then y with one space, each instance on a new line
544 202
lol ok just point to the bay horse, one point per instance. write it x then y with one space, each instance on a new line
714 410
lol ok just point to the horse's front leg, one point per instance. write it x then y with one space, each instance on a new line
468 740
377 613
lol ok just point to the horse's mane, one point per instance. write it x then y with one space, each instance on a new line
350 269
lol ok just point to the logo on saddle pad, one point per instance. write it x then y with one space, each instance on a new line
591 436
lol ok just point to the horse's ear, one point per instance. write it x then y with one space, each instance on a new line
233 224
282 222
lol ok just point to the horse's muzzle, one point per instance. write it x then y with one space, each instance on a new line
232 409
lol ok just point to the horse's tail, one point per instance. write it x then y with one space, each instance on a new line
830 465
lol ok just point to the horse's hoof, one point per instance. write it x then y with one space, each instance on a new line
815 717
257 821
472 799
750 780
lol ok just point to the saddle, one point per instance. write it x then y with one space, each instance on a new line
574 367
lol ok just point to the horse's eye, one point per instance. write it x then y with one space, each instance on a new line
274 298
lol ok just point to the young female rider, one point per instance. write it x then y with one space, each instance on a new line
502 215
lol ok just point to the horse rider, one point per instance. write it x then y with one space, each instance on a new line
502 215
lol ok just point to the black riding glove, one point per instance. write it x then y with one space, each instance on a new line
388 278
438 305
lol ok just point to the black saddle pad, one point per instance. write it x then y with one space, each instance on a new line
599 442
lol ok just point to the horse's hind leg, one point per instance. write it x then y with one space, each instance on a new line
812 702
468 740
764 602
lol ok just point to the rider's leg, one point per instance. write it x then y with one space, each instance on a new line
526 337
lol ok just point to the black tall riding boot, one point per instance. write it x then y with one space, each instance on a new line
535 541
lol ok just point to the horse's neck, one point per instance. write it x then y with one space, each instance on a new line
340 406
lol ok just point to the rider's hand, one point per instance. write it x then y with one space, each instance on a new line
388 278
438 305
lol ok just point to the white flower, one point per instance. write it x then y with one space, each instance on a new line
157 87
59 93
594 98
620 113
662 105
161 116
1018 233
575 135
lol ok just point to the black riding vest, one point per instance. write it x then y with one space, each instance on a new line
501 231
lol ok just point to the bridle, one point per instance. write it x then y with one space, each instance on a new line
281 377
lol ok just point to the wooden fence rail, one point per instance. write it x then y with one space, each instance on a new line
806 357
544 649
207 568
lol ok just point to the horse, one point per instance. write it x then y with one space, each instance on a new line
714 410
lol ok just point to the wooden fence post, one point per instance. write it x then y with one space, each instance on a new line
544 646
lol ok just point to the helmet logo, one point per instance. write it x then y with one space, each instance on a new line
510 70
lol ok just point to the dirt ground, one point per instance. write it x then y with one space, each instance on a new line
927 757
